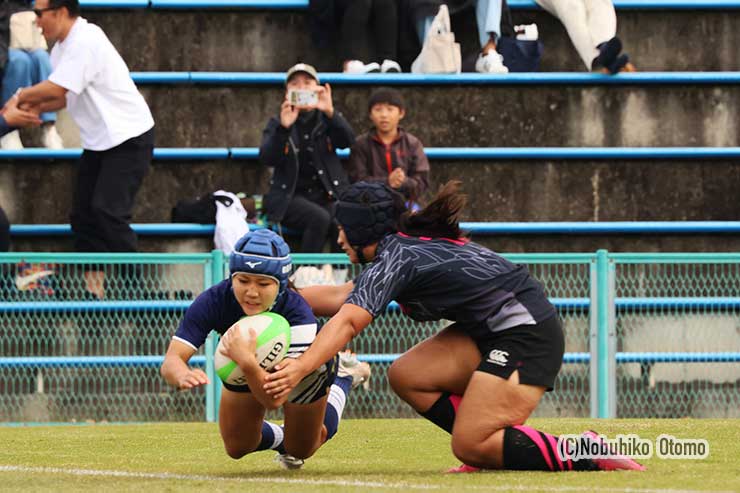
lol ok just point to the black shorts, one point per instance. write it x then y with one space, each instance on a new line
536 351
310 389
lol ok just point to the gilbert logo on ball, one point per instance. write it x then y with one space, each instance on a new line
273 340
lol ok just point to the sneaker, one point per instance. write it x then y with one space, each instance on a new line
390 66
491 63
50 138
349 365
463 468
11 141
308 275
615 462
357 67
608 53
287 461
527 32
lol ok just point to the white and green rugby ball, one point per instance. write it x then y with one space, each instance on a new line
273 341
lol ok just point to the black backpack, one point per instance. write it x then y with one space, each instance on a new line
202 210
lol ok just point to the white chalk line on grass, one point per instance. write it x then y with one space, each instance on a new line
326 482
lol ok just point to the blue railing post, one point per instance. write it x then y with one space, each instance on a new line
600 365
593 337
216 275
611 378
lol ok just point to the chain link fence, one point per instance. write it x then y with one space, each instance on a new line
66 356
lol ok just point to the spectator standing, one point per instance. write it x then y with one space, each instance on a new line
23 68
356 24
92 81
308 176
592 27
387 153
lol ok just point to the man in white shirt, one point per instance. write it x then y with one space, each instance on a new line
92 81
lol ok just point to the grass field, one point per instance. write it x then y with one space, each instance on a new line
366 455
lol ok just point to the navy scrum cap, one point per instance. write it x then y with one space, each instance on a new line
367 211
262 252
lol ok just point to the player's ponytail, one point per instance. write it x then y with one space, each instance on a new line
441 217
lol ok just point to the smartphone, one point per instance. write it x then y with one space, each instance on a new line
303 97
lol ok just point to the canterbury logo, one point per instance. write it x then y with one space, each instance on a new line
252 265
498 357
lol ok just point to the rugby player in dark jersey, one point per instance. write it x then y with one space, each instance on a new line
481 377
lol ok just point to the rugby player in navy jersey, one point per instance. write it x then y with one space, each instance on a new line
259 267
479 378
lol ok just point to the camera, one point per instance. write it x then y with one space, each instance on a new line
303 97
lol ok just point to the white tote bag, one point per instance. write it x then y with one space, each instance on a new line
440 53
24 33
231 221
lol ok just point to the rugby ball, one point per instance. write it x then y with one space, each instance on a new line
273 341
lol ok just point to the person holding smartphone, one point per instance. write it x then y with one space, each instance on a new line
300 144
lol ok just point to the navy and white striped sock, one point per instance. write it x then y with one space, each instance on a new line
335 404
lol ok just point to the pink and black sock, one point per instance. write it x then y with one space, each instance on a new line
527 449
443 411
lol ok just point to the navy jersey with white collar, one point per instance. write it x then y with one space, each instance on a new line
217 309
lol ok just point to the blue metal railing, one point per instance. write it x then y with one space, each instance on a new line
433 153
467 78
154 361
475 228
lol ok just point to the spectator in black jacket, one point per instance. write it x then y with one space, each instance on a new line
308 176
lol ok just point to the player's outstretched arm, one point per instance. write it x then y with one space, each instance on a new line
175 369
324 300
333 337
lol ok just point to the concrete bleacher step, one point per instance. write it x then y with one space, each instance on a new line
671 36
556 109
505 185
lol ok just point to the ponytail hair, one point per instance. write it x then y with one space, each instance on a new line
441 218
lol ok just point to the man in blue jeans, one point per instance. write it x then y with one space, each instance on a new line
24 68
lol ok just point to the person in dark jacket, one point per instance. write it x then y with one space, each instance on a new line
308 176
387 153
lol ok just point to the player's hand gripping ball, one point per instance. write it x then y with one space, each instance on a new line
273 341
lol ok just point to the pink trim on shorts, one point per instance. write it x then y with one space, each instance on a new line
455 400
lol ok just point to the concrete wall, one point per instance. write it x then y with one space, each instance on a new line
477 116
201 116
264 41
40 192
